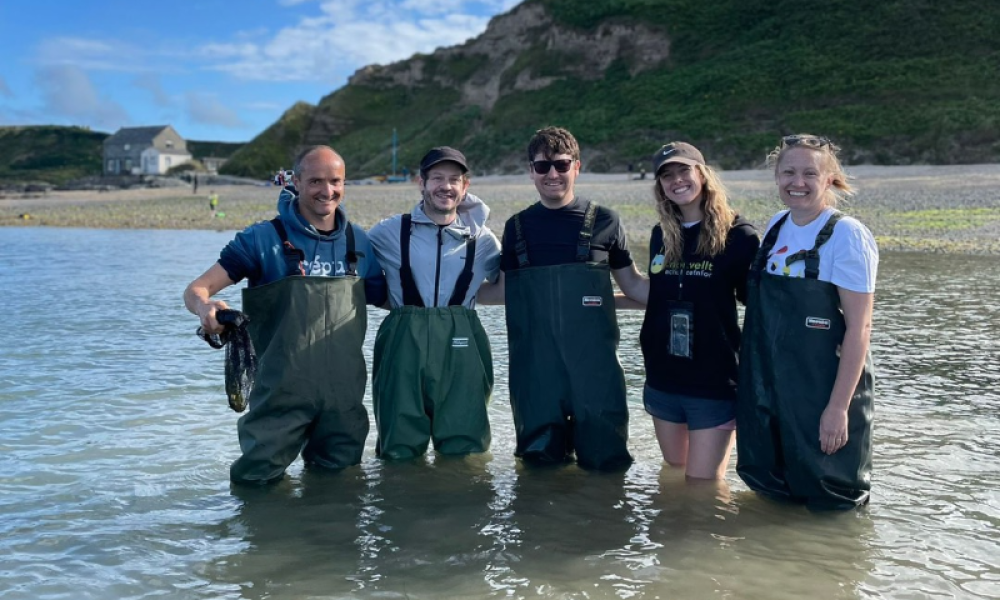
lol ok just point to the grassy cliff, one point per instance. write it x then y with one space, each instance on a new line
895 82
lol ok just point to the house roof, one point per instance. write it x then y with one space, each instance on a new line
136 135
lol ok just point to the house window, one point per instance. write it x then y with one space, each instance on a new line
127 146
170 143
168 162
111 166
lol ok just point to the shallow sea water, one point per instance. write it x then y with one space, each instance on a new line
118 439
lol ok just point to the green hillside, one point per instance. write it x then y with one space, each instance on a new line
49 153
894 82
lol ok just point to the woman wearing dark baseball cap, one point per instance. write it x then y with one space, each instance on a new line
700 253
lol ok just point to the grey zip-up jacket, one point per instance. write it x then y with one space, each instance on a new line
437 253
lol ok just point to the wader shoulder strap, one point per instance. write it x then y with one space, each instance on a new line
521 246
411 297
293 256
352 256
811 256
586 233
465 279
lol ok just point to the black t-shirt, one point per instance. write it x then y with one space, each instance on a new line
709 287
553 235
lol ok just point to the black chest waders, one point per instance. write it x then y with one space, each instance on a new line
788 363
432 374
308 333
567 387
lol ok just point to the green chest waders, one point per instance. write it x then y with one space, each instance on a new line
567 387
432 378
792 332
432 374
308 333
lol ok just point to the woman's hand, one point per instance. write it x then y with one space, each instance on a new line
833 430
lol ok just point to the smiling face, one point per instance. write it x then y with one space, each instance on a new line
683 185
443 190
320 183
803 183
555 189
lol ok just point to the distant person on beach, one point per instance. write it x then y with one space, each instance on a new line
307 322
699 255
194 183
567 387
804 413
433 368
213 201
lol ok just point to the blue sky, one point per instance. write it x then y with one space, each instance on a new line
220 70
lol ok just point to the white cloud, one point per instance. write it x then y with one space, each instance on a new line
206 109
68 92
348 35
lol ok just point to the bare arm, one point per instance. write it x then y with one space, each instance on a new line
634 286
198 296
491 293
857 309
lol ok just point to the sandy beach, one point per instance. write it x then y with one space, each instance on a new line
910 208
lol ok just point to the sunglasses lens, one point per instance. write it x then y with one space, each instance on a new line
542 166
811 141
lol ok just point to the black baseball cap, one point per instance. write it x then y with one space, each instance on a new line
677 152
441 154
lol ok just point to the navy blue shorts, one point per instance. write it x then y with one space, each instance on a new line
698 413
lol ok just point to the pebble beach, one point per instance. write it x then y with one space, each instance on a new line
953 209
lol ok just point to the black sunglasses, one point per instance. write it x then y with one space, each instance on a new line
812 141
542 166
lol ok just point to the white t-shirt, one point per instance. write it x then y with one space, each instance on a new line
849 259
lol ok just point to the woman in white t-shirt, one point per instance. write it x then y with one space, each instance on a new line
804 413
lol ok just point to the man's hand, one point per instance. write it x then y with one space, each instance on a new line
207 316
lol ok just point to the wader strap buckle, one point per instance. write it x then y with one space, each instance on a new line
586 233
811 256
293 256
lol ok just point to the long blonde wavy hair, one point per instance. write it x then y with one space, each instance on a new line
715 225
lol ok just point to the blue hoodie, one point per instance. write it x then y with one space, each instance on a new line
256 254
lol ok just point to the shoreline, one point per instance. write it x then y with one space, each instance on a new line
952 209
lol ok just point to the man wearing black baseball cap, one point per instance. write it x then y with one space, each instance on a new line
433 369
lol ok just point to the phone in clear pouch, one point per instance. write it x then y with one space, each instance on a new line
681 332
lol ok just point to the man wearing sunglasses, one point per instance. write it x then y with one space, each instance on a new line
433 370
567 387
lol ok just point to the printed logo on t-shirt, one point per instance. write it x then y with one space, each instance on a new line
460 342
817 323
657 264
776 261
593 301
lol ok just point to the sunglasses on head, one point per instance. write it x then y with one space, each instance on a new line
542 166
813 141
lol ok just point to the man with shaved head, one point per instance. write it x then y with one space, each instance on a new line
309 274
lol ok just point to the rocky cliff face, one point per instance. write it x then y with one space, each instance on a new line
499 62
